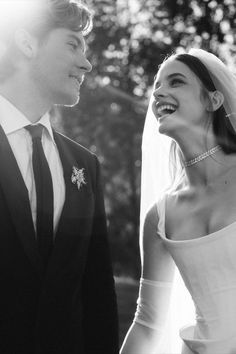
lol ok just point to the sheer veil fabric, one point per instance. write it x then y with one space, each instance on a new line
156 179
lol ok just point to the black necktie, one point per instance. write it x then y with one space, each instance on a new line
44 194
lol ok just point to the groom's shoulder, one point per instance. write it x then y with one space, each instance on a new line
74 146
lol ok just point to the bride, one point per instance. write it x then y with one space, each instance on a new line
190 126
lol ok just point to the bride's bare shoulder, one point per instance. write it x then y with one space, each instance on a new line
154 214
151 217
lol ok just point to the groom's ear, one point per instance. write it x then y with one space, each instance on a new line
25 42
216 101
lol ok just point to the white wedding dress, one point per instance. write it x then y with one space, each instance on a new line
208 268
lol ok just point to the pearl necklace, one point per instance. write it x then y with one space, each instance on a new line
202 156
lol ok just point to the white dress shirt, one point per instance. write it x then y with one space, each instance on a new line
13 123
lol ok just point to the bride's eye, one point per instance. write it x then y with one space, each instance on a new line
176 81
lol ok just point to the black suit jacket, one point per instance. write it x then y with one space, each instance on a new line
72 308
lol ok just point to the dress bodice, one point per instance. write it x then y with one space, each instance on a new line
208 268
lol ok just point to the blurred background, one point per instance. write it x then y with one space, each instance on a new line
129 40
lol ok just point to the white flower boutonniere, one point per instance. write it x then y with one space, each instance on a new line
77 176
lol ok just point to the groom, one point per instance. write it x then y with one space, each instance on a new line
57 291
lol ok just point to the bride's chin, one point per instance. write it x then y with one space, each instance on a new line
163 129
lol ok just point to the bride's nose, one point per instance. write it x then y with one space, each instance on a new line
160 92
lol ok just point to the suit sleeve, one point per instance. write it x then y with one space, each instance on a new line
99 298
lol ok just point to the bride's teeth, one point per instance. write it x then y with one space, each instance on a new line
165 107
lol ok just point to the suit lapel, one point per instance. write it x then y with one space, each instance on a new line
77 207
74 198
17 199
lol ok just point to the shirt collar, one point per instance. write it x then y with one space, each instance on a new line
45 121
11 119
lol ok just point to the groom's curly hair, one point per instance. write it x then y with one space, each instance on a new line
40 17
69 14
